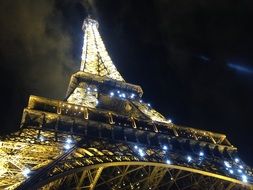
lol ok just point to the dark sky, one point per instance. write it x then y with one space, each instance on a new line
193 58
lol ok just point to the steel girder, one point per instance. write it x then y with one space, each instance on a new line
94 163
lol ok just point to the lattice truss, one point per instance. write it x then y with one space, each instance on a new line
116 143
23 152
84 95
96 164
138 177
95 59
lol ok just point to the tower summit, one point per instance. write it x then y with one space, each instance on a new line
95 59
104 136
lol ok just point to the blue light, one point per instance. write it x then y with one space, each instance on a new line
42 138
244 178
88 88
239 171
68 140
123 95
136 147
141 152
111 94
241 68
132 96
227 164
168 161
165 147
26 171
140 101
95 90
67 146
149 105
236 160
201 153
204 58
118 91
241 166
189 158
231 171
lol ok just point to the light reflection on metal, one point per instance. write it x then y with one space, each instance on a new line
58 134
95 59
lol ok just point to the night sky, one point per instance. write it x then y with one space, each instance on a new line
193 58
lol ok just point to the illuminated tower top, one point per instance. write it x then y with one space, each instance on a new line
95 59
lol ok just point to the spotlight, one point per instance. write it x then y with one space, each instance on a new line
141 152
165 147
42 138
67 146
68 140
26 171
201 153
244 178
239 171
168 161
189 158
111 94
227 164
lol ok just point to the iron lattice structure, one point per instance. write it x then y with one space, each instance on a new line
103 136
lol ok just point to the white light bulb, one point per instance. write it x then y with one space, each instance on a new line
68 140
244 178
201 153
26 171
227 164
165 147
141 152
111 94
67 146
42 138
189 158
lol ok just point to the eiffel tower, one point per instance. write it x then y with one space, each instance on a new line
104 136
